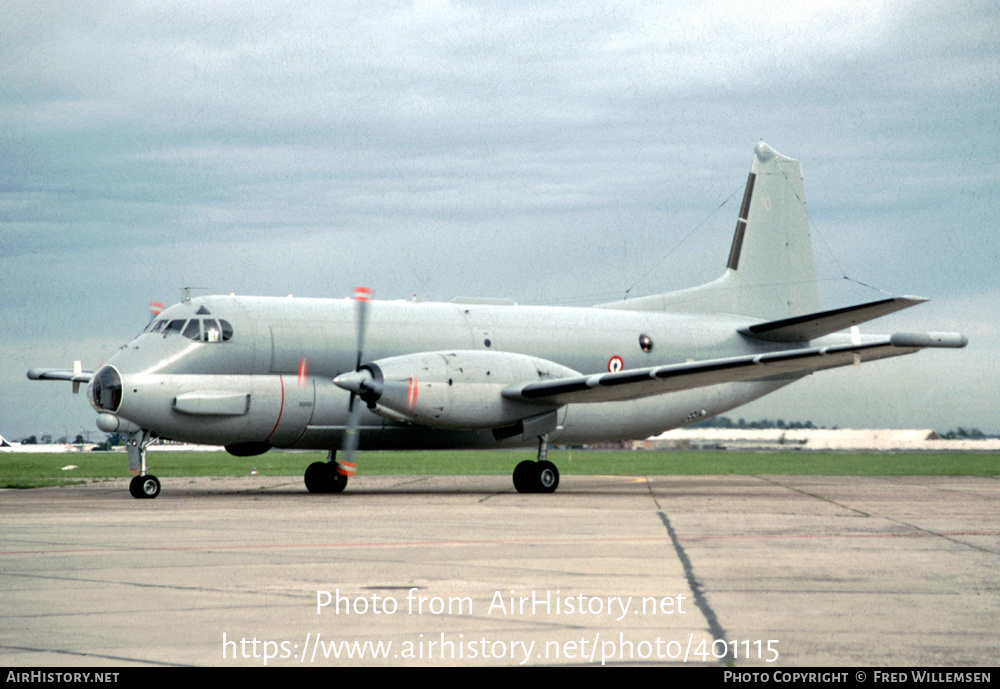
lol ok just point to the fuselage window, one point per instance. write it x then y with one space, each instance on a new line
156 327
227 330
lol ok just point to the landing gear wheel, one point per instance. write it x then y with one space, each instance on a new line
323 477
536 477
338 481
317 477
547 477
523 476
144 487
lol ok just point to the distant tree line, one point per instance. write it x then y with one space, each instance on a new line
965 434
726 422
46 439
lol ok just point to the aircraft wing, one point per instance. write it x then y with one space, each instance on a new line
657 380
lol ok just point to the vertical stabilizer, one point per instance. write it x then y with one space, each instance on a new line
771 259
770 272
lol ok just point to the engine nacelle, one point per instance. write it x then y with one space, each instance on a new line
452 389
246 413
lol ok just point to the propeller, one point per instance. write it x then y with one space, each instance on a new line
362 297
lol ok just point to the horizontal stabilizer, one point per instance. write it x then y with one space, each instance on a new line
658 380
813 325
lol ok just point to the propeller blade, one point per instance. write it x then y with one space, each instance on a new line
348 466
362 296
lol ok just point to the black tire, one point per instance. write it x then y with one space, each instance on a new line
144 487
524 477
323 477
317 477
135 487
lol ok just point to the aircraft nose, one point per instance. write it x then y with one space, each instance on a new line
106 389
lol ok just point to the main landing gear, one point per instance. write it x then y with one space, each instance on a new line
530 476
539 476
325 477
143 486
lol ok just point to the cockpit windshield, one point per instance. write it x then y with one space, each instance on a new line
197 329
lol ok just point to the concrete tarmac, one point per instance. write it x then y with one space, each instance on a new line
755 571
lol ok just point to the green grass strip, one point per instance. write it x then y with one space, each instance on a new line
36 470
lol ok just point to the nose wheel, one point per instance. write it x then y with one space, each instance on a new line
144 487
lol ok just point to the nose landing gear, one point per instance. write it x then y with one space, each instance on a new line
143 486
147 486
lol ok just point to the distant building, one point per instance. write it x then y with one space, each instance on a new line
846 440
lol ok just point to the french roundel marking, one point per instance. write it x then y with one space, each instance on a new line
615 364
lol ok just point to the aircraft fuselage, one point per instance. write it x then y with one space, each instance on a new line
268 380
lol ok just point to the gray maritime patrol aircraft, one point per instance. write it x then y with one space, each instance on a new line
255 373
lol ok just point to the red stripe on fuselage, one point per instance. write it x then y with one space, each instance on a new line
281 411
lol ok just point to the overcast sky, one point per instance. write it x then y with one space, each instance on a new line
538 152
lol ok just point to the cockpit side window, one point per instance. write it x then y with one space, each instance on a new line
207 330
155 326
193 330
174 327
210 330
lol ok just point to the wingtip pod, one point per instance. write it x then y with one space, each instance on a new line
951 340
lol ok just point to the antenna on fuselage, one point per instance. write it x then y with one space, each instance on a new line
186 293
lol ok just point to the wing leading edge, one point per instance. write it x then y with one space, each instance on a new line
658 380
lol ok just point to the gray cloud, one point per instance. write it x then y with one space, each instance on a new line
530 151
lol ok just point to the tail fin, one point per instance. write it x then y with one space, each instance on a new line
770 273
